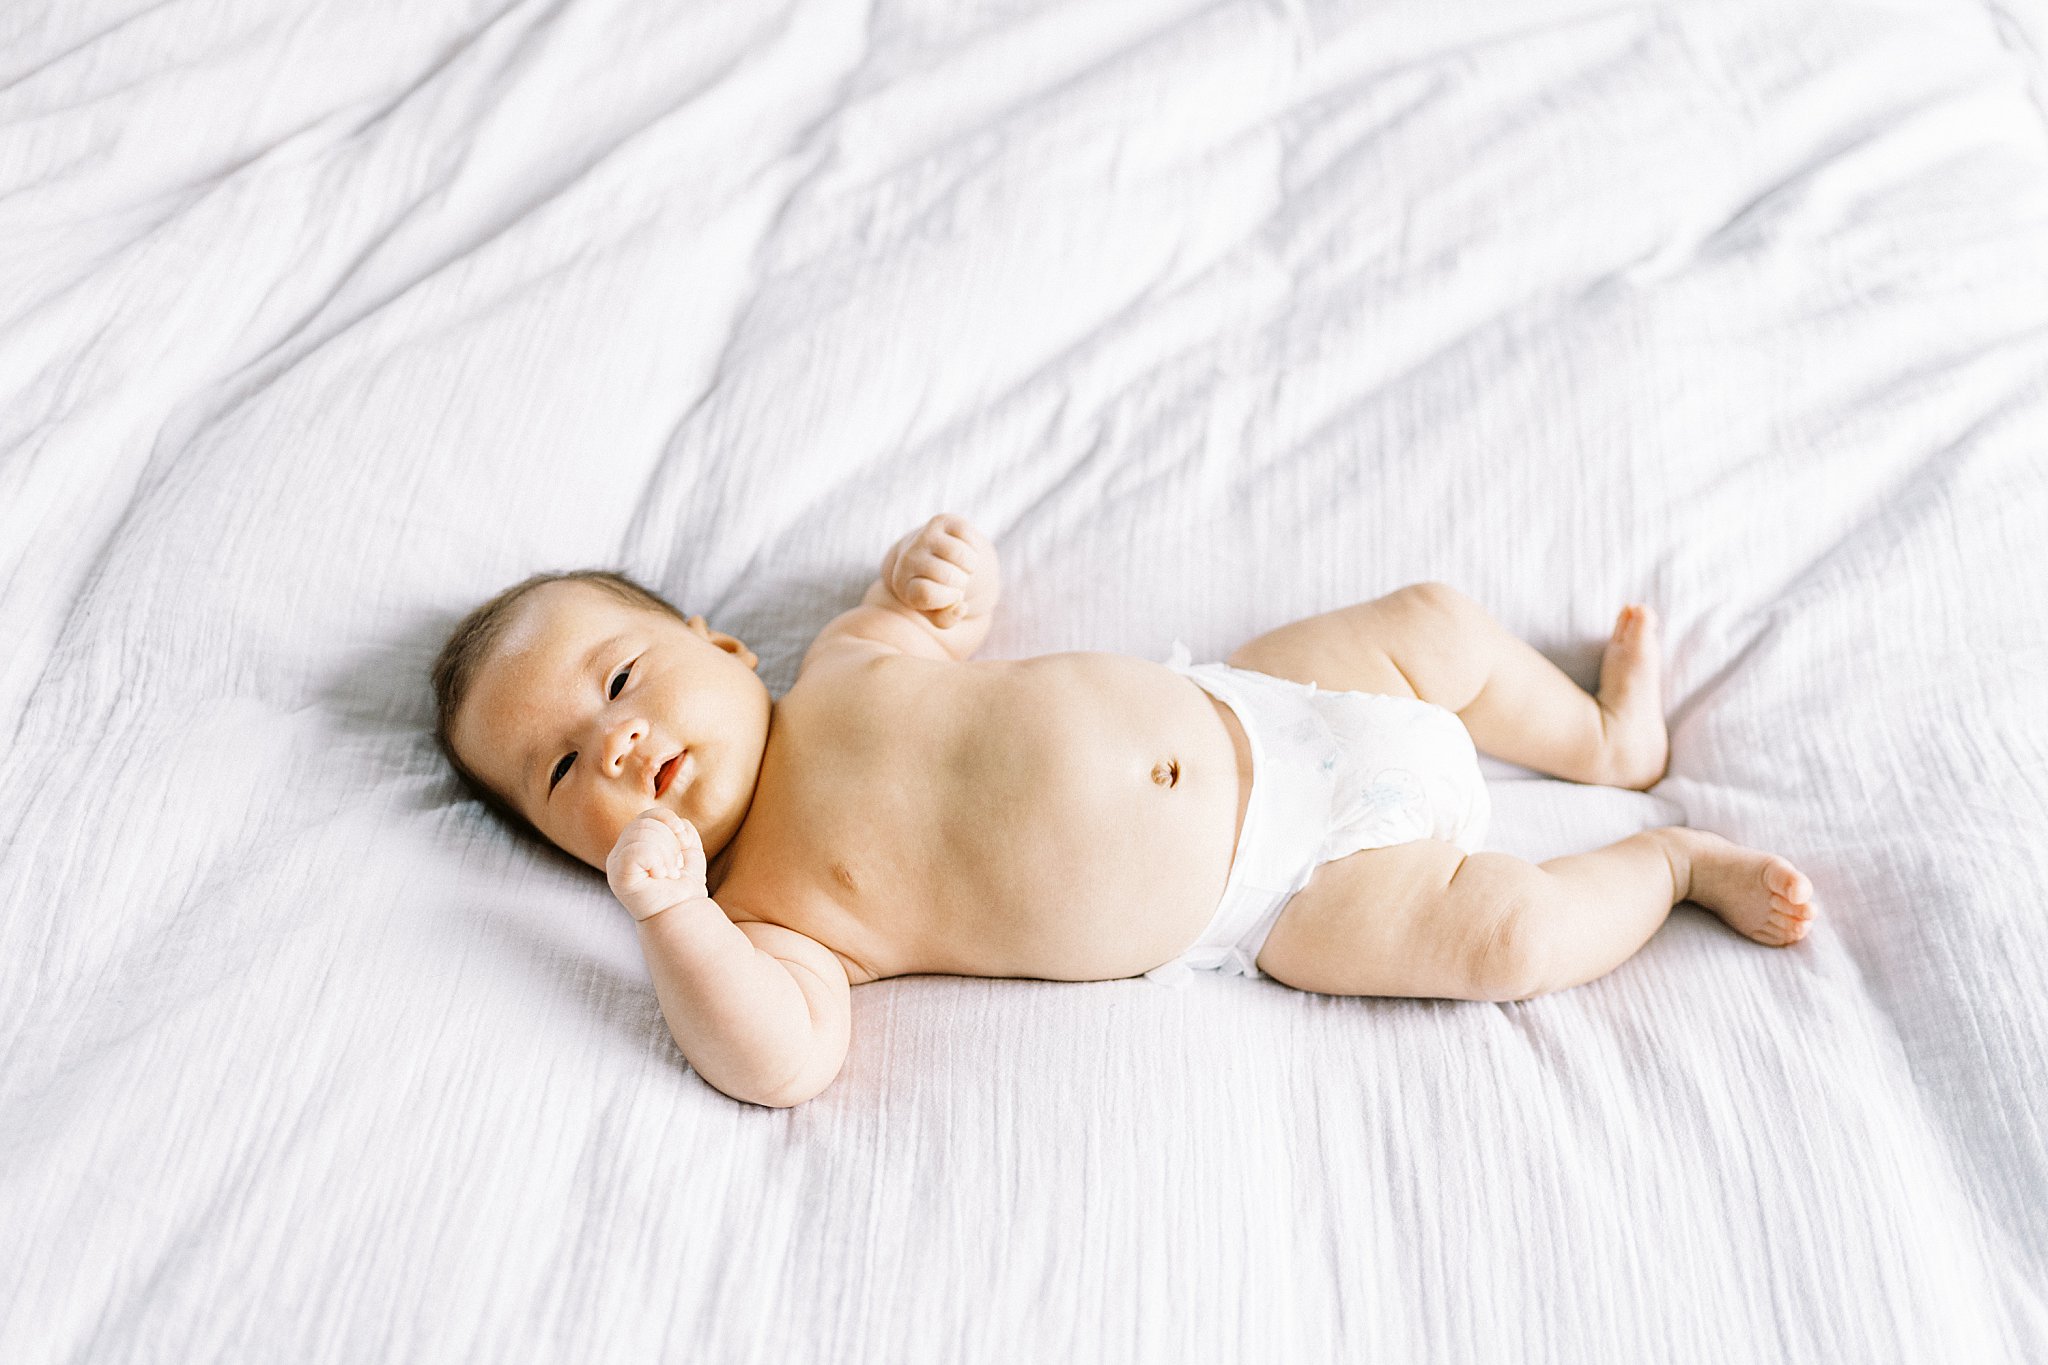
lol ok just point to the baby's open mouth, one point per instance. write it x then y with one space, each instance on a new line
666 774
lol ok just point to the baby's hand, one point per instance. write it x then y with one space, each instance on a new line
657 864
944 570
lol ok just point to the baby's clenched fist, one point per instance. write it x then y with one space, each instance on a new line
945 570
657 864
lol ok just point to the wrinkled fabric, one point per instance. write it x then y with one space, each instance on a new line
324 322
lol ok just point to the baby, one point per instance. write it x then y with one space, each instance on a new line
1309 810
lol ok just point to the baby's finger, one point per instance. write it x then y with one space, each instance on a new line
925 564
970 535
948 523
686 835
650 836
685 832
951 549
945 618
925 595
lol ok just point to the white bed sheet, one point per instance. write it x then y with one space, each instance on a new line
325 322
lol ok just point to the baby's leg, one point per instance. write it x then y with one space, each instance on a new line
1431 641
1425 919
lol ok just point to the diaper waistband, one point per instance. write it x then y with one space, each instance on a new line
1289 809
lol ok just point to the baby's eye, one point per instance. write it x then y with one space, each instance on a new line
619 682
561 770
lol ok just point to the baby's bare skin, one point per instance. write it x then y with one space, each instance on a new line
1069 817
903 809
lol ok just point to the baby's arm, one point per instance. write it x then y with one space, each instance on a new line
760 1011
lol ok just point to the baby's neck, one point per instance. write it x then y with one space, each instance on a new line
716 868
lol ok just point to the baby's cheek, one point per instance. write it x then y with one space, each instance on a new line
606 829
585 834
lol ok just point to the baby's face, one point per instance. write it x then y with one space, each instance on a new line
575 718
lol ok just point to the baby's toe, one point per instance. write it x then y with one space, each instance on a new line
1788 925
1791 909
1786 882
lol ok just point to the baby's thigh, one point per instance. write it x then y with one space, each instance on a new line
1361 648
1388 921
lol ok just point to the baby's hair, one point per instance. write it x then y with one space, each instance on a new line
474 638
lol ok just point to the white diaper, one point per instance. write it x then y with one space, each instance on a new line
1332 773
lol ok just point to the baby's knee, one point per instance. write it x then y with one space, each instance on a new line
1506 899
1435 599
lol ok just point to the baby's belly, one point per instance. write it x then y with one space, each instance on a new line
1068 817
1090 824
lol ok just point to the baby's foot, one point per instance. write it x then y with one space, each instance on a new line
1631 698
1759 894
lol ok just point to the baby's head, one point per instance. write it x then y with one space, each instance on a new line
562 700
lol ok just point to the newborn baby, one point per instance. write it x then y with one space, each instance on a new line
1309 810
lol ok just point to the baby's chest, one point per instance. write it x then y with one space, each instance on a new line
1050 827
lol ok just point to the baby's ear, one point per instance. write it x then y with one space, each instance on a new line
731 644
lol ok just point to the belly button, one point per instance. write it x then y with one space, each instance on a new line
1167 774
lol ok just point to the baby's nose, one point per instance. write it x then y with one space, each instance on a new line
624 739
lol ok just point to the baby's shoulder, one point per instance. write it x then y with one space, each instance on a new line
849 670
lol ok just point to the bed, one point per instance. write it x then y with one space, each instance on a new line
326 321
